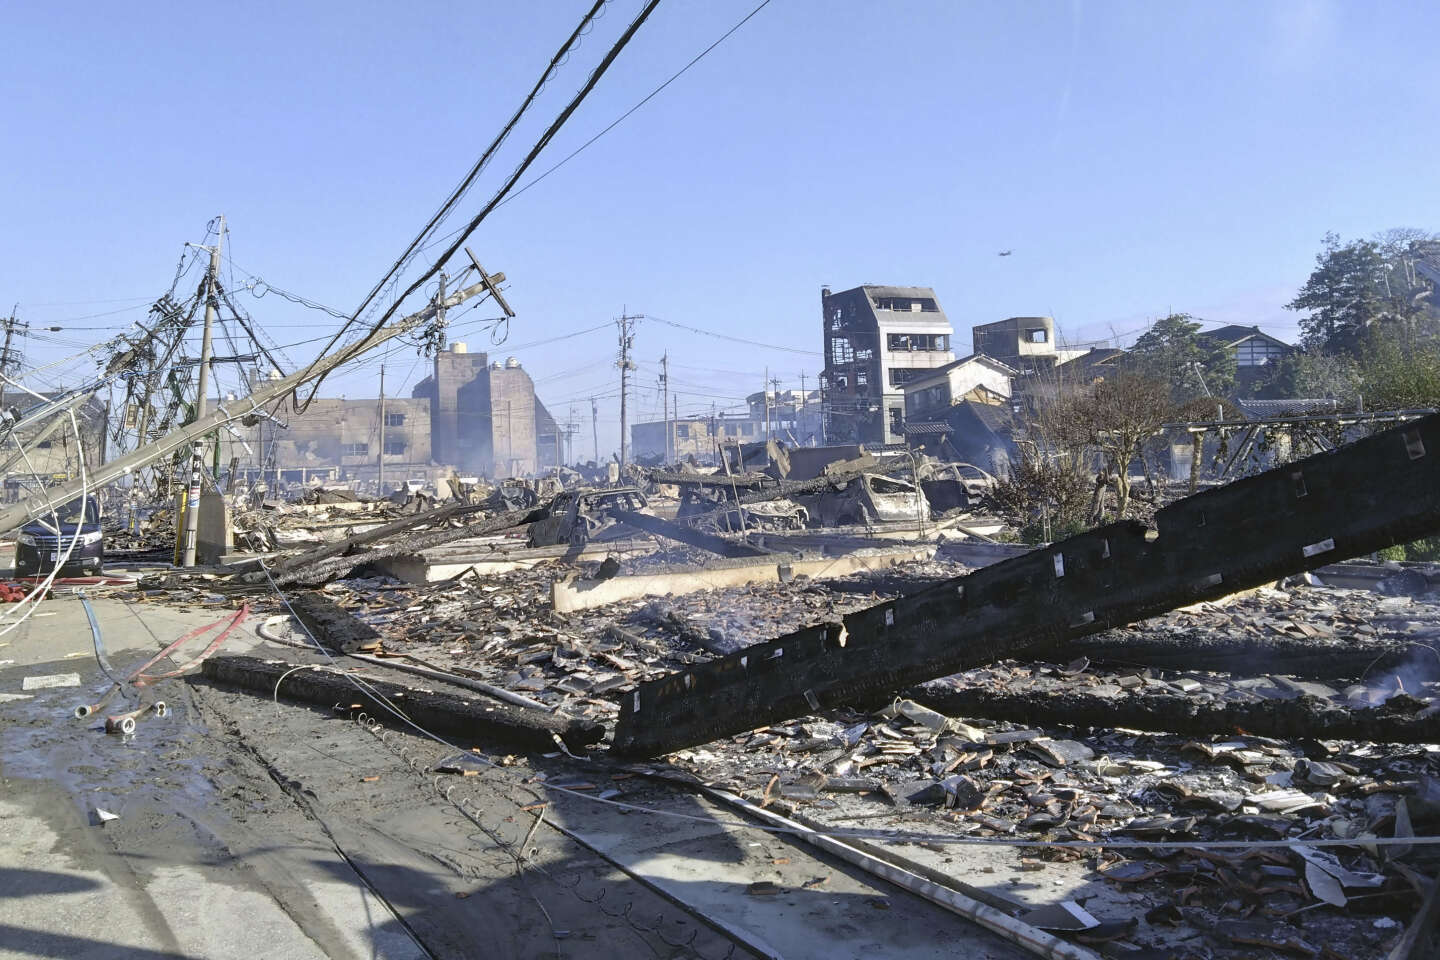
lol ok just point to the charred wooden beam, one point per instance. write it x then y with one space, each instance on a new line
333 626
1328 659
340 547
439 711
1400 719
687 535
322 572
1376 492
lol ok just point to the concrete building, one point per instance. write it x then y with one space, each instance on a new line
1026 343
694 436
451 439
337 439
795 417
486 420
877 339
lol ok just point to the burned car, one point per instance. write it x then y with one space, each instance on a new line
870 498
582 516
704 507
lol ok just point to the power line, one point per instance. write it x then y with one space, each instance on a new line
648 97
726 336
509 184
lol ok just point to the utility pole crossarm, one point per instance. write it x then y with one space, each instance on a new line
492 284
17 514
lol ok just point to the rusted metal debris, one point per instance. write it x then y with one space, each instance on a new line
1376 492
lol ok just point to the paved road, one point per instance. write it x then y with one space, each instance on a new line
248 828
161 881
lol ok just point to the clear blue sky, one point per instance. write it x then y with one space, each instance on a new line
1137 158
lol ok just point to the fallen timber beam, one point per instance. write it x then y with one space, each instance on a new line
571 594
1400 719
1371 494
686 535
1308 659
332 626
740 481
374 534
446 713
316 574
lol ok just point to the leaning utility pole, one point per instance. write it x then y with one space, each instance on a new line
626 324
380 460
197 456
665 399
271 391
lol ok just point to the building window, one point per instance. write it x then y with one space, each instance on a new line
897 421
903 375
355 449
902 342
907 304
1038 335
747 428
1256 352
862 378
393 448
682 430
394 420
840 350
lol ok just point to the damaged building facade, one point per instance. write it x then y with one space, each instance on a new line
486 419
794 416
878 339
470 416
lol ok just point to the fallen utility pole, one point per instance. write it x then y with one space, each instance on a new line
28 509
1379 491
434 710
51 418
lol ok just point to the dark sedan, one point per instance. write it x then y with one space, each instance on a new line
39 548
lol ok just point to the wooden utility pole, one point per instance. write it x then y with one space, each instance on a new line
800 424
380 459
779 416
674 419
595 428
626 325
6 359
197 458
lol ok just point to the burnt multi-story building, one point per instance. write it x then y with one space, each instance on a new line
485 418
877 339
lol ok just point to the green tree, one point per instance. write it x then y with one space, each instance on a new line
1394 375
1173 352
1367 286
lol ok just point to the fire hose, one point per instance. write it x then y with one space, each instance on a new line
139 678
